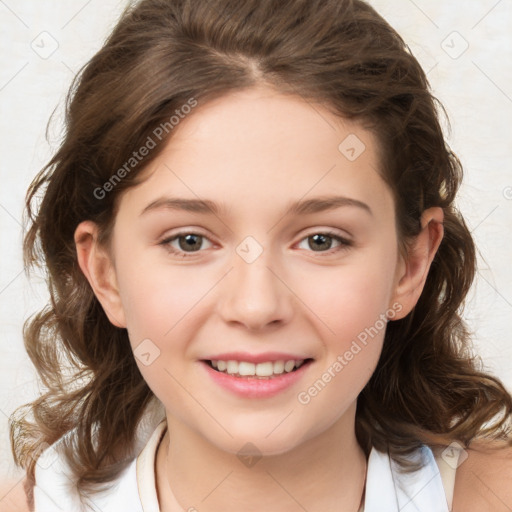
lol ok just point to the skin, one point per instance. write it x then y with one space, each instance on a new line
482 481
13 497
256 151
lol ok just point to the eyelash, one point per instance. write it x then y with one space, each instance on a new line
345 243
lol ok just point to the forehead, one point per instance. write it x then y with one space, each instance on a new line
261 121
258 147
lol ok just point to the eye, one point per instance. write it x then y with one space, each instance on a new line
187 242
323 240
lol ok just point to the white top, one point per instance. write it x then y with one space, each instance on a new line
430 489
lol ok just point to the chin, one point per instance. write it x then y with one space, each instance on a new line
259 443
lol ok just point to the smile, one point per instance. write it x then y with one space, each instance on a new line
244 379
265 369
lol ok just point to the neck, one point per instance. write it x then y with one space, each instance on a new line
325 473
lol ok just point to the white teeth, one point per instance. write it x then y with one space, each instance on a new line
266 369
289 366
246 368
278 367
232 367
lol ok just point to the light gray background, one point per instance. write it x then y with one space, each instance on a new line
475 85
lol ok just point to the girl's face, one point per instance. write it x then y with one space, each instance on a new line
262 233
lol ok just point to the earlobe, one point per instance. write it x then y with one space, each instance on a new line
415 266
97 267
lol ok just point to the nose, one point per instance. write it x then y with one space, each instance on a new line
254 295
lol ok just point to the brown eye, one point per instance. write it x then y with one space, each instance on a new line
187 242
320 241
190 242
323 242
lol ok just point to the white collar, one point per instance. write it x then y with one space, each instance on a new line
387 490
146 470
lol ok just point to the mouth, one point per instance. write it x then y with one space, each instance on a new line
264 370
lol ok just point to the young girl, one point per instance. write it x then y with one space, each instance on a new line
256 272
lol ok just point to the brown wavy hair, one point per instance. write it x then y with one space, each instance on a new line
428 386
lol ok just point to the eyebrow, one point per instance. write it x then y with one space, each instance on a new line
303 207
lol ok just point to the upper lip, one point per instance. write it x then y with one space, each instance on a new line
255 358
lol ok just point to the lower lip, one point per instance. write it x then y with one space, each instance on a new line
253 387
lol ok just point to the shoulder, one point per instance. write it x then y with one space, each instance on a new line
483 479
55 487
13 496
53 480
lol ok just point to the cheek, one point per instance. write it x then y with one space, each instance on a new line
351 298
352 307
156 298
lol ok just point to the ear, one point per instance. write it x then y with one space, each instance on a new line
97 266
414 268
